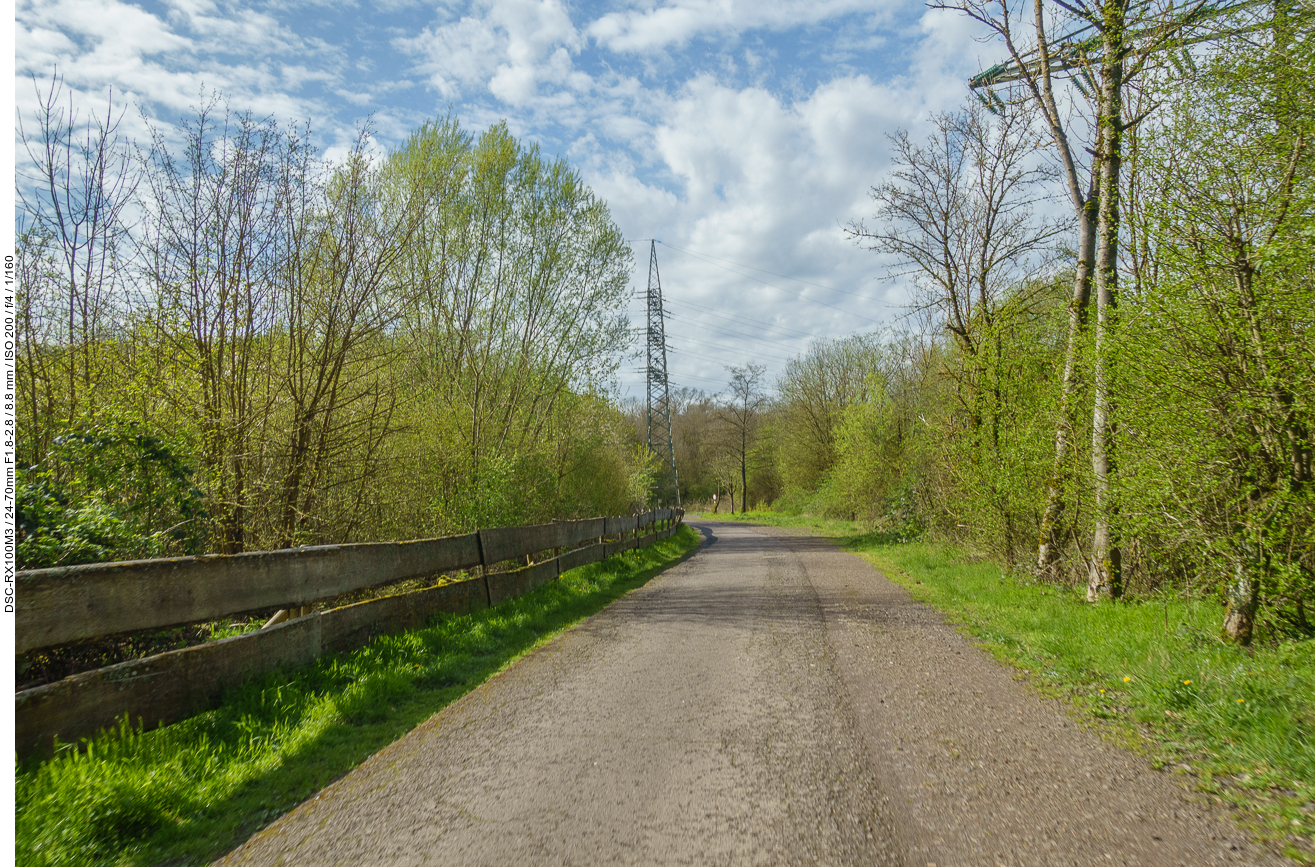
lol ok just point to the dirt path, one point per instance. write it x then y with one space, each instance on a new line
772 700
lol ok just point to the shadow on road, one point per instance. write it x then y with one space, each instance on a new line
723 596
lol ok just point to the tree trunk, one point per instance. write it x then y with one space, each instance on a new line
744 464
1050 546
1243 602
1105 571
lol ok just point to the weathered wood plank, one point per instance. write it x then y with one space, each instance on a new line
354 625
509 585
582 557
584 531
61 605
159 689
509 543
614 548
622 524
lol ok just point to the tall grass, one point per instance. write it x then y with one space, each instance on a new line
185 793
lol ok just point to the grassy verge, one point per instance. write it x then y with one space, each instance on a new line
1152 672
186 793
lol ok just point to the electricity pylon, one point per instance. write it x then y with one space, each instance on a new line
1080 49
659 395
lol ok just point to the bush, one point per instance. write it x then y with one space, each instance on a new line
110 491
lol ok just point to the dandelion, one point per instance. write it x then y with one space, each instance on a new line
1240 700
1187 683
1102 692
1127 680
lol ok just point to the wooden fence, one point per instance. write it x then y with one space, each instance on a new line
77 603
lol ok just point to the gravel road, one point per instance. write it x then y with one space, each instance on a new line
771 700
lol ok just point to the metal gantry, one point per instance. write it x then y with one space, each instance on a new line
659 394
1079 50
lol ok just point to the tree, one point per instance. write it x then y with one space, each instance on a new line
741 416
812 395
321 342
1118 53
959 213
75 189
216 247
517 279
1224 390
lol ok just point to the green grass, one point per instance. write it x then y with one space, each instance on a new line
186 793
1151 673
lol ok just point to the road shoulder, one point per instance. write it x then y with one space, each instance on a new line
977 769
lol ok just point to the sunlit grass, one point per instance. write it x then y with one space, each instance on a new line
185 793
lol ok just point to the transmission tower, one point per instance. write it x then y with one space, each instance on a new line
1080 49
659 395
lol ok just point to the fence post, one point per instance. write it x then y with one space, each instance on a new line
484 567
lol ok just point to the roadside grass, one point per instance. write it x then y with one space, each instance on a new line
186 793
1151 672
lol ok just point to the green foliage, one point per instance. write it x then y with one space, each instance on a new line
1219 360
322 342
109 491
813 394
186 793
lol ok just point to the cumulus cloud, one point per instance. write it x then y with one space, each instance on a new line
740 132
510 46
673 24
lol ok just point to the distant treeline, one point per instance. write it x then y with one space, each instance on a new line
227 342
1144 429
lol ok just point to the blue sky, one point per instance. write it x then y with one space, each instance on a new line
740 134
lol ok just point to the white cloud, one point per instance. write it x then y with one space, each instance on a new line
172 64
765 174
676 23
512 46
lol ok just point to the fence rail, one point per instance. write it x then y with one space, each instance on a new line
76 603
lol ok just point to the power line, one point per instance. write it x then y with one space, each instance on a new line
740 335
765 271
799 295
745 319
773 356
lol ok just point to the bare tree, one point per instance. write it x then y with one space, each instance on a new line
958 214
742 415
213 255
80 180
338 298
1109 65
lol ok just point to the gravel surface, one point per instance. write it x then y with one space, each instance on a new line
771 700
